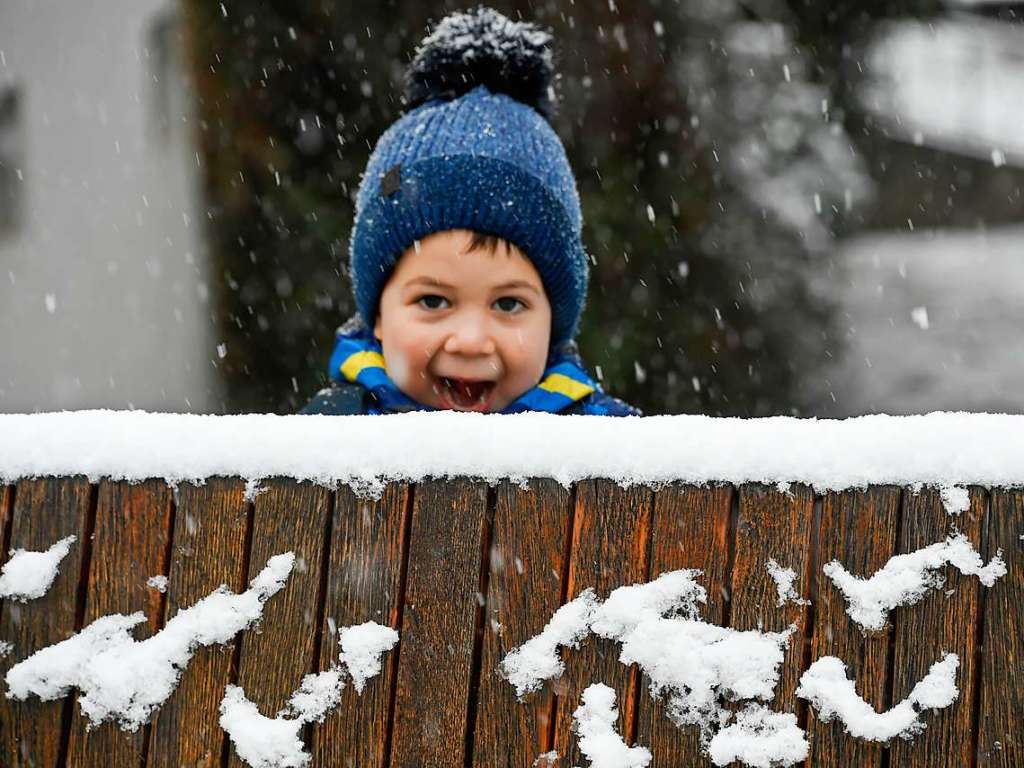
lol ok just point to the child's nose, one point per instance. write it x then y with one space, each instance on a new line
470 337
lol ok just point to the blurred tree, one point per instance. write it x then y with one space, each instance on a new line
712 162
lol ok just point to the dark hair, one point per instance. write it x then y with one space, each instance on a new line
488 241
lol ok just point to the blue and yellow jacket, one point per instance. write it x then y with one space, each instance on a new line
342 399
361 385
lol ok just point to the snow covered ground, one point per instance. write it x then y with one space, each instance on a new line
929 320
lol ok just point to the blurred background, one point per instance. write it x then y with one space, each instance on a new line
806 208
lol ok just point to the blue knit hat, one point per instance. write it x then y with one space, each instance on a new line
475 151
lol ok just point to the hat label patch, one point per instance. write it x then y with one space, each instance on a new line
391 181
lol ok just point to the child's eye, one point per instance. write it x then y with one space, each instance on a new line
510 304
432 301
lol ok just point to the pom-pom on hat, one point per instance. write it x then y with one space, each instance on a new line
475 150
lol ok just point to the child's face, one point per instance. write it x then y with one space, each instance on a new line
464 330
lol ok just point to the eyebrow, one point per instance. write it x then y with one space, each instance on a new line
433 282
517 284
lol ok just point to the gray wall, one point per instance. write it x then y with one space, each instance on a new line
103 296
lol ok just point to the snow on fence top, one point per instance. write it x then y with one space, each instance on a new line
937 449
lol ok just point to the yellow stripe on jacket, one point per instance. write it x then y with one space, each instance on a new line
355 363
561 384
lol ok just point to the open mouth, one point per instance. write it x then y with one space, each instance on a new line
465 395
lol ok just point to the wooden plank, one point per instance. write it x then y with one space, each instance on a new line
1001 737
6 510
528 543
130 544
363 584
438 625
210 527
610 535
288 516
689 529
777 525
45 511
944 621
857 528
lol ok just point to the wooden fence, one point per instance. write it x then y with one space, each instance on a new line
466 572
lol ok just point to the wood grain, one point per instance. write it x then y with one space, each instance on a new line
427 687
610 536
689 529
45 511
210 527
363 584
289 516
1001 737
777 525
439 624
858 529
129 546
530 535
944 621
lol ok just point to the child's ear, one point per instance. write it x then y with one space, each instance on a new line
376 328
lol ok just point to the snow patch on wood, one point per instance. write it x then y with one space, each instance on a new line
833 695
905 579
29 575
125 679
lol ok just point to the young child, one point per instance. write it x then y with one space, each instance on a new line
467 267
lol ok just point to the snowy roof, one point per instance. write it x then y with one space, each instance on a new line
936 449
953 84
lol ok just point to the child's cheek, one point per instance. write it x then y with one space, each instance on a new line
398 368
